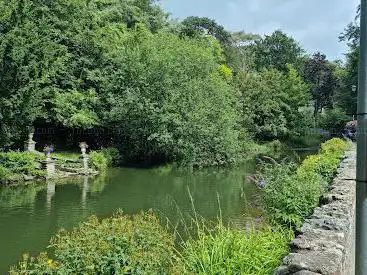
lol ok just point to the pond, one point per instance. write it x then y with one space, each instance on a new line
30 215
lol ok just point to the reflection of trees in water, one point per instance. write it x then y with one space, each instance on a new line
98 183
18 196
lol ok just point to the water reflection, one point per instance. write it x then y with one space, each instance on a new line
30 215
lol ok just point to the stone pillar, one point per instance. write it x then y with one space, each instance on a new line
84 157
50 167
30 144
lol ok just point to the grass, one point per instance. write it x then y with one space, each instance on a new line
215 248
224 250
66 155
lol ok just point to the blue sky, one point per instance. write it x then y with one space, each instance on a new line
316 24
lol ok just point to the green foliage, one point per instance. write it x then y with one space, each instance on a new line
225 72
334 120
16 164
276 51
118 245
76 109
292 193
346 98
98 161
171 102
319 73
231 251
287 200
194 26
52 55
112 156
270 102
335 146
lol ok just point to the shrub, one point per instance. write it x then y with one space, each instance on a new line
19 162
334 120
231 251
323 165
172 102
118 245
112 156
16 164
289 198
292 193
335 146
327 161
98 161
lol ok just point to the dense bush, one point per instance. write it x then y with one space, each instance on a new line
171 102
118 245
13 165
288 197
112 156
334 146
292 193
270 102
334 120
98 161
231 251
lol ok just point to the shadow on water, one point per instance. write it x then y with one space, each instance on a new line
30 215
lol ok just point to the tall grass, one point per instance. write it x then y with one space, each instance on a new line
214 248
223 250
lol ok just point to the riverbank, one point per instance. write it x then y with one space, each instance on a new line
45 208
25 167
212 247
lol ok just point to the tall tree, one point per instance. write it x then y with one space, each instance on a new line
51 51
271 101
318 72
276 51
240 54
195 26
351 35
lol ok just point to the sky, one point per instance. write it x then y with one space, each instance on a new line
316 24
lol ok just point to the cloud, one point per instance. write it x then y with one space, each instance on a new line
315 24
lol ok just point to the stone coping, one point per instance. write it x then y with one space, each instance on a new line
325 243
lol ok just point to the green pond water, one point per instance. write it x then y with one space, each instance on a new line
30 215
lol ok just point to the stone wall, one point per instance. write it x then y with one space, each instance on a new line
325 243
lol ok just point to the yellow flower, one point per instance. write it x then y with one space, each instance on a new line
51 263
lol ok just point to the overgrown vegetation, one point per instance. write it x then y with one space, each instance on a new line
14 165
293 192
187 92
121 244
223 250
138 244
98 161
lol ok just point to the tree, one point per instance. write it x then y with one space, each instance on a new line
195 26
270 102
51 51
351 35
240 55
276 51
170 101
318 72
